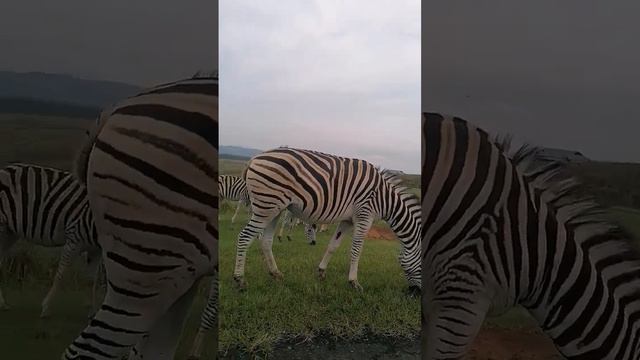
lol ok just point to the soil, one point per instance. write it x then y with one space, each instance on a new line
491 344
380 233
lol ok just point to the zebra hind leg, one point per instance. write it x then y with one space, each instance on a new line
310 231
333 245
162 341
208 321
266 245
256 225
69 251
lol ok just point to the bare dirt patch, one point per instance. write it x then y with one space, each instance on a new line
380 233
513 344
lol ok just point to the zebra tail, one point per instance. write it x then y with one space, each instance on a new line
82 158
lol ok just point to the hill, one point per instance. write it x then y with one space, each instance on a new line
238 151
66 89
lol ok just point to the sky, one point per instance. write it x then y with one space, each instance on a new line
557 74
342 77
143 42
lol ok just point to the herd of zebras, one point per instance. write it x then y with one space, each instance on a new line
495 229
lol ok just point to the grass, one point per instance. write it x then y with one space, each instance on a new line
23 335
301 306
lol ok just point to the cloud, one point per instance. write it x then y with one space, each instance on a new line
336 76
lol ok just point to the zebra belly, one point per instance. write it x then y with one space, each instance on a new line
299 212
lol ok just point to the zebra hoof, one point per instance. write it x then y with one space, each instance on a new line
322 274
288 237
45 314
241 284
193 357
413 291
356 285
313 242
277 275
5 307
279 238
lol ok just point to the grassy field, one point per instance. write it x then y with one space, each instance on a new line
301 306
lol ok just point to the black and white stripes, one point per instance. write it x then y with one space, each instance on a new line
322 188
151 170
502 230
46 207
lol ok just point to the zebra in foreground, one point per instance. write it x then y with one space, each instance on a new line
502 230
323 188
46 207
151 167
234 188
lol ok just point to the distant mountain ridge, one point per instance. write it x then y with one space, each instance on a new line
65 89
238 151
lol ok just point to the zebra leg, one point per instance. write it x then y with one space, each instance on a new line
208 321
245 238
266 244
333 245
129 313
233 218
162 340
99 280
310 232
451 323
361 227
6 242
69 251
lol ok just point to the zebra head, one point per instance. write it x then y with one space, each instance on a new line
401 209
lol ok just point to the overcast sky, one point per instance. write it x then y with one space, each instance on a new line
336 76
555 73
143 42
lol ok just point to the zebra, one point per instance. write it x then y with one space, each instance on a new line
502 229
150 167
234 188
289 221
323 188
47 207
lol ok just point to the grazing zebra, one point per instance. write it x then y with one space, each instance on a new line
502 230
289 221
323 188
151 166
46 207
233 188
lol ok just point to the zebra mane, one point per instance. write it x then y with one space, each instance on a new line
562 193
394 179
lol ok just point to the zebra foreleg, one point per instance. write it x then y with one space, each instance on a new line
310 233
162 340
333 245
361 227
69 251
235 214
6 242
208 321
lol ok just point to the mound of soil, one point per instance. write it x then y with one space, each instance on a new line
380 233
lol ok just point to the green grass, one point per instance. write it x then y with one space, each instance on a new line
23 335
301 306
